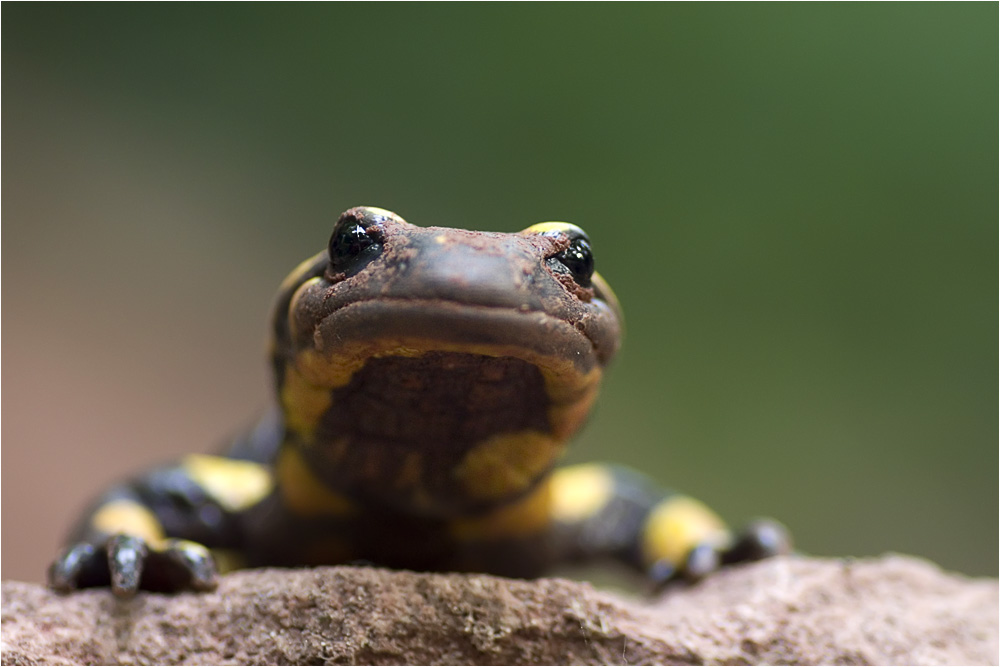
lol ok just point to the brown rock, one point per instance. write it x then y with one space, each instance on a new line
889 610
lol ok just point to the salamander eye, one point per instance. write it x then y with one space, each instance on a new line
355 242
577 259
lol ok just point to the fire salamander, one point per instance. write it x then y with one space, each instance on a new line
427 381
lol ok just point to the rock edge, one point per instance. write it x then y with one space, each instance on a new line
889 610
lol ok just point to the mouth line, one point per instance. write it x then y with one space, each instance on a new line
455 325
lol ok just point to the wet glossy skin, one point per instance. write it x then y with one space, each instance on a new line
427 382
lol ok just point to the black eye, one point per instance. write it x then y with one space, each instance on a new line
355 242
579 259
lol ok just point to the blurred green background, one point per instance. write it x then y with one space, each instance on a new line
796 204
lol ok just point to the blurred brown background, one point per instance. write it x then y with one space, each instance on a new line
797 205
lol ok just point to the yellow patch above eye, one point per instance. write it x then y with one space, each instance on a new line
130 518
375 210
235 485
542 227
298 273
677 525
579 492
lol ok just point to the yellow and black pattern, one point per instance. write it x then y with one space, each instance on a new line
427 380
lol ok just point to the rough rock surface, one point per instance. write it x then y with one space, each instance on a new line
889 610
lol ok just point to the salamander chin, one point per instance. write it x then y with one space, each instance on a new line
423 433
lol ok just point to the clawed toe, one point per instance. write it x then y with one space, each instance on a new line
760 539
127 564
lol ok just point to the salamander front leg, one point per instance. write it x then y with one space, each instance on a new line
154 533
603 511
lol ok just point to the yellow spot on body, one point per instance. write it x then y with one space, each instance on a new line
571 394
316 371
523 518
304 402
507 464
235 485
130 518
579 492
564 384
302 492
677 525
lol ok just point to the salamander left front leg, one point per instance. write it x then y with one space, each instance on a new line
600 512
611 511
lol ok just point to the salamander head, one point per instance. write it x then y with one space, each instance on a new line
440 370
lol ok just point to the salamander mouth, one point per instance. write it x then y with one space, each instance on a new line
387 327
